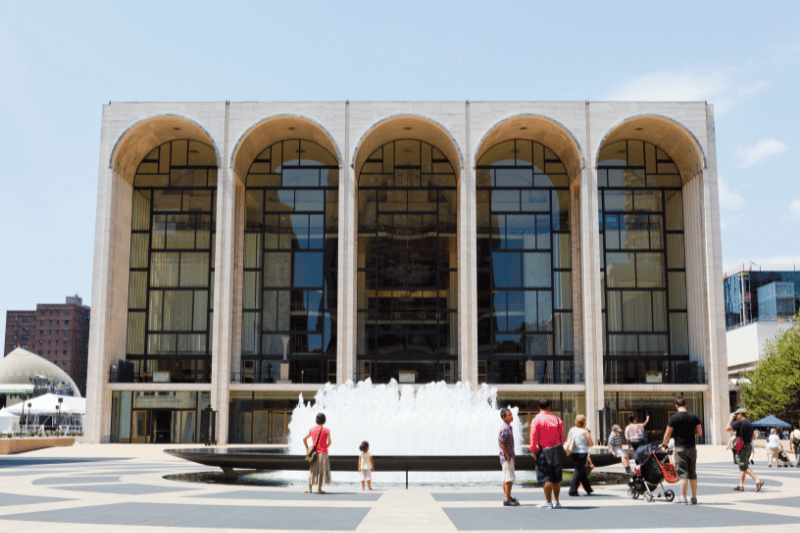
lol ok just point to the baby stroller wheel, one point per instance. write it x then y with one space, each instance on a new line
632 494
669 495
648 497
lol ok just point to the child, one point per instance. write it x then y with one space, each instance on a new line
365 465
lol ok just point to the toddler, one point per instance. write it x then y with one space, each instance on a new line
365 465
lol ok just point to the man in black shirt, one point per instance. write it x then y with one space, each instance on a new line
744 431
684 426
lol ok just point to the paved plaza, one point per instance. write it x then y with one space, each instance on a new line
121 488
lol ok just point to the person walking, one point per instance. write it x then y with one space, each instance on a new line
774 448
615 447
634 433
365 465
744 431
583 440
320 471
508 457
684 426
547 447
795 440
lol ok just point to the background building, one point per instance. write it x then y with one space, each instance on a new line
760 301
57 332
247 252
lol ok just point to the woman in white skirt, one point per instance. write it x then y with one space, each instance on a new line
321 467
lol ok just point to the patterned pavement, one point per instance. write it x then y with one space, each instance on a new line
122 488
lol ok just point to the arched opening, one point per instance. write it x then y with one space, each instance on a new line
525 312
290 262
642 263
407 277
171 281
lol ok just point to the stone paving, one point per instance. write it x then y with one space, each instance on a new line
121 488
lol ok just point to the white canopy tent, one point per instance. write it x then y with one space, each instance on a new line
9 422
46 404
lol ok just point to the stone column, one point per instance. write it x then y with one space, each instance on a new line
467 264
588 272
347 275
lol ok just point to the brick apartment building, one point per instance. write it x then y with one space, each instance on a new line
56 332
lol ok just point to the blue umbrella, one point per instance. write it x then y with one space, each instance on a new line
771 422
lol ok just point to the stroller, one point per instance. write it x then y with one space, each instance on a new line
653 468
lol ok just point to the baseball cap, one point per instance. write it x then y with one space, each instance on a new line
740 411
615 427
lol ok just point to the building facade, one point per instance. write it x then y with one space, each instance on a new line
57 332
248 252
760 302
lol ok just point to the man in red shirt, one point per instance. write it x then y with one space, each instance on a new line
547 434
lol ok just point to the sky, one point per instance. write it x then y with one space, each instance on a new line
61 61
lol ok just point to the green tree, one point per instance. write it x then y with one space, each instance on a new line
774 387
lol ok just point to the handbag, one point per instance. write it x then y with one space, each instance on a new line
311 454
738 444
569 446
555 455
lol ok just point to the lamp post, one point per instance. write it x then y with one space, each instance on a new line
23 411
28 423
58 407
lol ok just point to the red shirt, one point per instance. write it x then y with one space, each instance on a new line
546 430
322 447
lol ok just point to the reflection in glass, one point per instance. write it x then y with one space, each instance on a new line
290 260
524 278
172 265
642 264
407 264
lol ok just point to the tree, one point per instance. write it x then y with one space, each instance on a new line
774 387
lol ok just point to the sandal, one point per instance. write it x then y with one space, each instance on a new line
738 488
759 485
308 492
321 492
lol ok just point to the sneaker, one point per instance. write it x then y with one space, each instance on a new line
510 503
557 505
683 501
513 499
693 500
545 506
573 494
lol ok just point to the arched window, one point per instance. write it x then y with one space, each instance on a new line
290 263
407 265
524 265
171 287
645 332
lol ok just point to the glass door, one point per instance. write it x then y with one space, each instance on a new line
139 427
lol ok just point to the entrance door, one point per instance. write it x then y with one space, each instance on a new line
139 427
279 426
161 426
260 419
187 425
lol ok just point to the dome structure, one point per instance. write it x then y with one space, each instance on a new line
23 367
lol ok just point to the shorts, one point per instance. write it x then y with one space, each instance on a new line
743 457
546 473
686 462
366 475
509 473
773 453
618 451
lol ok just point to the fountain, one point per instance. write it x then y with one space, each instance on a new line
437 428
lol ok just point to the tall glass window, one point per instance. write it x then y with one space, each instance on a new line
524 270
171 287
407 265
290 263
642 264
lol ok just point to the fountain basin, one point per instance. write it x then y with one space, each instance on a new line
232 459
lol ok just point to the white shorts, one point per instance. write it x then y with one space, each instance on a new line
366 475
509 475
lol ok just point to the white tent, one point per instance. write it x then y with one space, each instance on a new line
9 422
46 405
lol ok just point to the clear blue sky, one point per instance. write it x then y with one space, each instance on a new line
60 61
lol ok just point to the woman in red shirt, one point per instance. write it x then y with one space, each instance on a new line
321 467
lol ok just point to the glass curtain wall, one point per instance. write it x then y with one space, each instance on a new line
171 286
524 270
290 263
407 265
642 264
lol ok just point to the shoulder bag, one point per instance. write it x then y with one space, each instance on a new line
311 454
569 446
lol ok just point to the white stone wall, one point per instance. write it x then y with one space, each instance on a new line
462 130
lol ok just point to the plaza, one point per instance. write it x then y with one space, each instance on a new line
248 252
90 488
